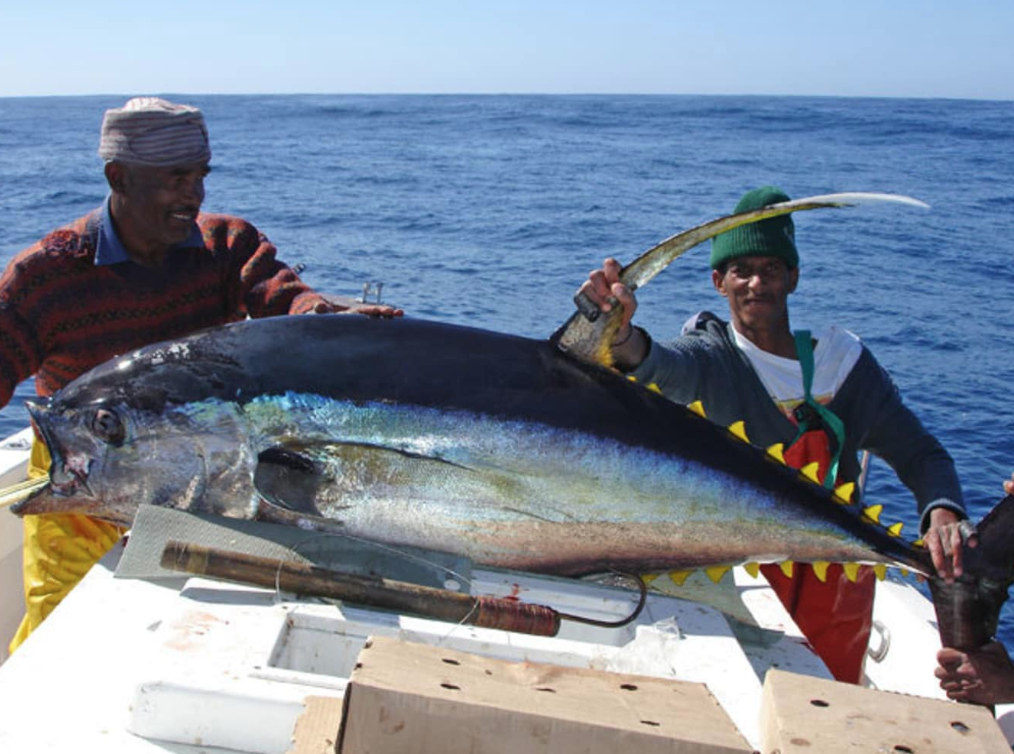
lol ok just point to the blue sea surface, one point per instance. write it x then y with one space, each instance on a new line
491 210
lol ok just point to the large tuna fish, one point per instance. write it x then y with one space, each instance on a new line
507 450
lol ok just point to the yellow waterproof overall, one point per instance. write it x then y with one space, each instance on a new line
59 549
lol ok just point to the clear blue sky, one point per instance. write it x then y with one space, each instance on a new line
903 48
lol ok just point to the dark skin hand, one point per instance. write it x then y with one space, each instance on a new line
347 305
980 676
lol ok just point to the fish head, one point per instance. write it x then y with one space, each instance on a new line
161 438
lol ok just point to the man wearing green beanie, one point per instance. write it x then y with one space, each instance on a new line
822 396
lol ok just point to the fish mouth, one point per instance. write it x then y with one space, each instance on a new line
68 476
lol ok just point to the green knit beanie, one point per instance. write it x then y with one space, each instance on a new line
774 237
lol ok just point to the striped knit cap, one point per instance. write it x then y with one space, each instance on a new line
153 131
774 237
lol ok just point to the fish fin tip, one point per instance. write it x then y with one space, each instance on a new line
895 529
873 513
679 578
881 571
698 408
716 573
788 568
820 569
777 451
843 493
752 568
653 387
739 430
851 571
811 471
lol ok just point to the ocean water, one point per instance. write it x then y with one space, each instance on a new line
491 210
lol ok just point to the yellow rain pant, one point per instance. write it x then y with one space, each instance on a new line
59 549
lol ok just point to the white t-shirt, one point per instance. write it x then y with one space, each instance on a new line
836 352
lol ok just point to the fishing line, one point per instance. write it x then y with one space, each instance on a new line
462 579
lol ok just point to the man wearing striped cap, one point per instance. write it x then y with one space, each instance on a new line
144 267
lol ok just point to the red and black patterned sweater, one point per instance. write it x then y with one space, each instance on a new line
60 314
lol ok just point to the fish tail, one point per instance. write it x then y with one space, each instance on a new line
968 610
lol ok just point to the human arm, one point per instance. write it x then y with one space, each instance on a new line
20 352
268 287
980 676
877 420
1008 486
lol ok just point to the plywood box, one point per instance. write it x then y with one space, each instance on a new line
412 698
316 730
801 714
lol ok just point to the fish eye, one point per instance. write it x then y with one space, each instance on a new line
108 427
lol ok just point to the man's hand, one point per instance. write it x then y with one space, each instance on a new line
944 539
1008 486
346 305
981 676
604 289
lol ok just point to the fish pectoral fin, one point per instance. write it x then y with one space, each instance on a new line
280 456
288 479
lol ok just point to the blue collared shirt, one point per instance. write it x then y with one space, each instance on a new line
110 250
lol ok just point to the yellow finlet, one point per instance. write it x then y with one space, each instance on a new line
904 572
715 573
654 388
919 543
820 569
844 492
647 578
698 408
881 570
851 570
810 471
873 512
787 567
895 529
739 429
752 568
632 378
776 451
679 577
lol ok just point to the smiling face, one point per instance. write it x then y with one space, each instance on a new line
155 207
758 290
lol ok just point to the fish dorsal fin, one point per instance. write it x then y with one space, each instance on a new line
811 471
739 430
589 333
843 492
777 451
